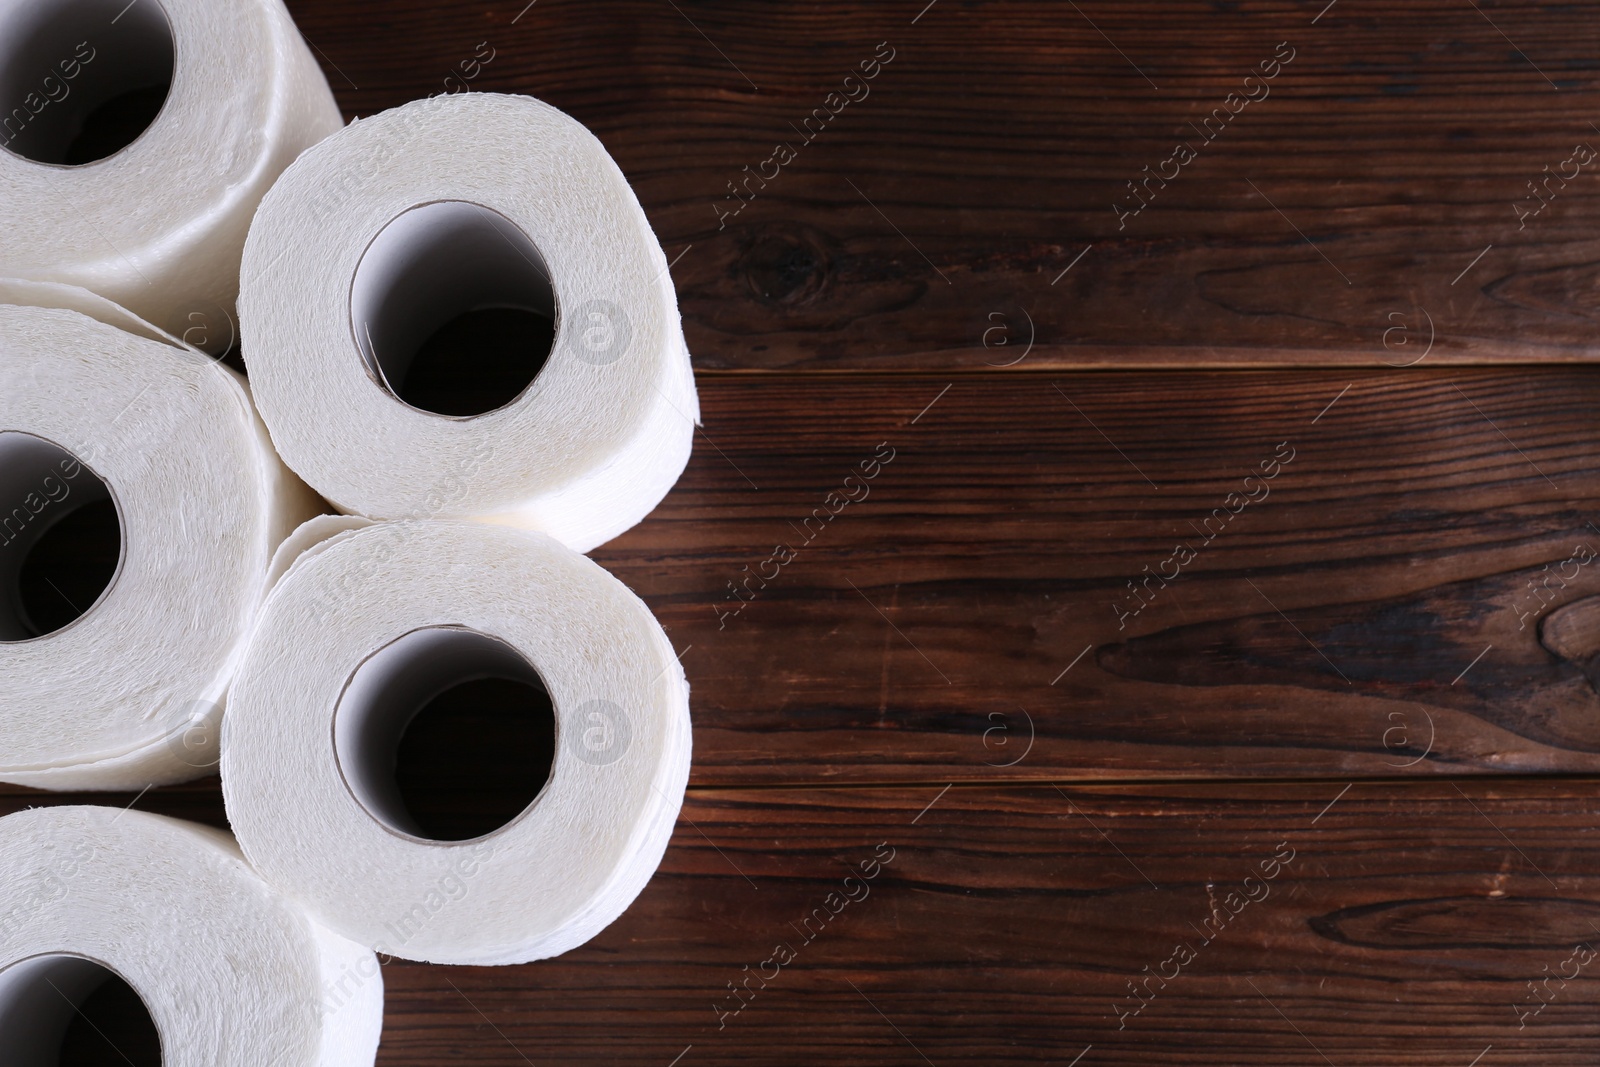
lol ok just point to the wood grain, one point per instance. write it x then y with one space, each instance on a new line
1342 625
1334 220
1403 924
911 569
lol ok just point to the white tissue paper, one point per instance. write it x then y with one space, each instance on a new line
25 293
231 972
389 229
157 227
130 693
364 629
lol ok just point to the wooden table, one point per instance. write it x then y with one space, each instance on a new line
1212 670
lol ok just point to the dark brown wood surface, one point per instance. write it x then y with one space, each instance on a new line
1352 200
969 616
1385 666
1354 922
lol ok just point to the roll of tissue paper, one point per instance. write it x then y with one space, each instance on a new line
226 94
231 973
25 293
383 248
366 629
140 507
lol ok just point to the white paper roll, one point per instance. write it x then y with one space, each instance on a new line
130 692
158 226
232 974
392 228
363 631
25 293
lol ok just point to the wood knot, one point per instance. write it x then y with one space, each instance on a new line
787 266
1572 632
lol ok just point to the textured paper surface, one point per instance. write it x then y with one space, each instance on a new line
233 974
130 693
604 430
559 872
159 226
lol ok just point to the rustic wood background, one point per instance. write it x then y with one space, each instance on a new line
1377 681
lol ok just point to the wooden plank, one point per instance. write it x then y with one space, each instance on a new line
973 580
1371 613
1388 923
1374 203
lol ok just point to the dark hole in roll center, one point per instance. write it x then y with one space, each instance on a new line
115 125
69 567
111 1028
445 733
81 80
478 361
475 757
60 537
452 309
66 1010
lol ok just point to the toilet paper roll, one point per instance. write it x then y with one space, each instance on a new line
231 973
25 293
390 230
106 437
159 225
363 631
